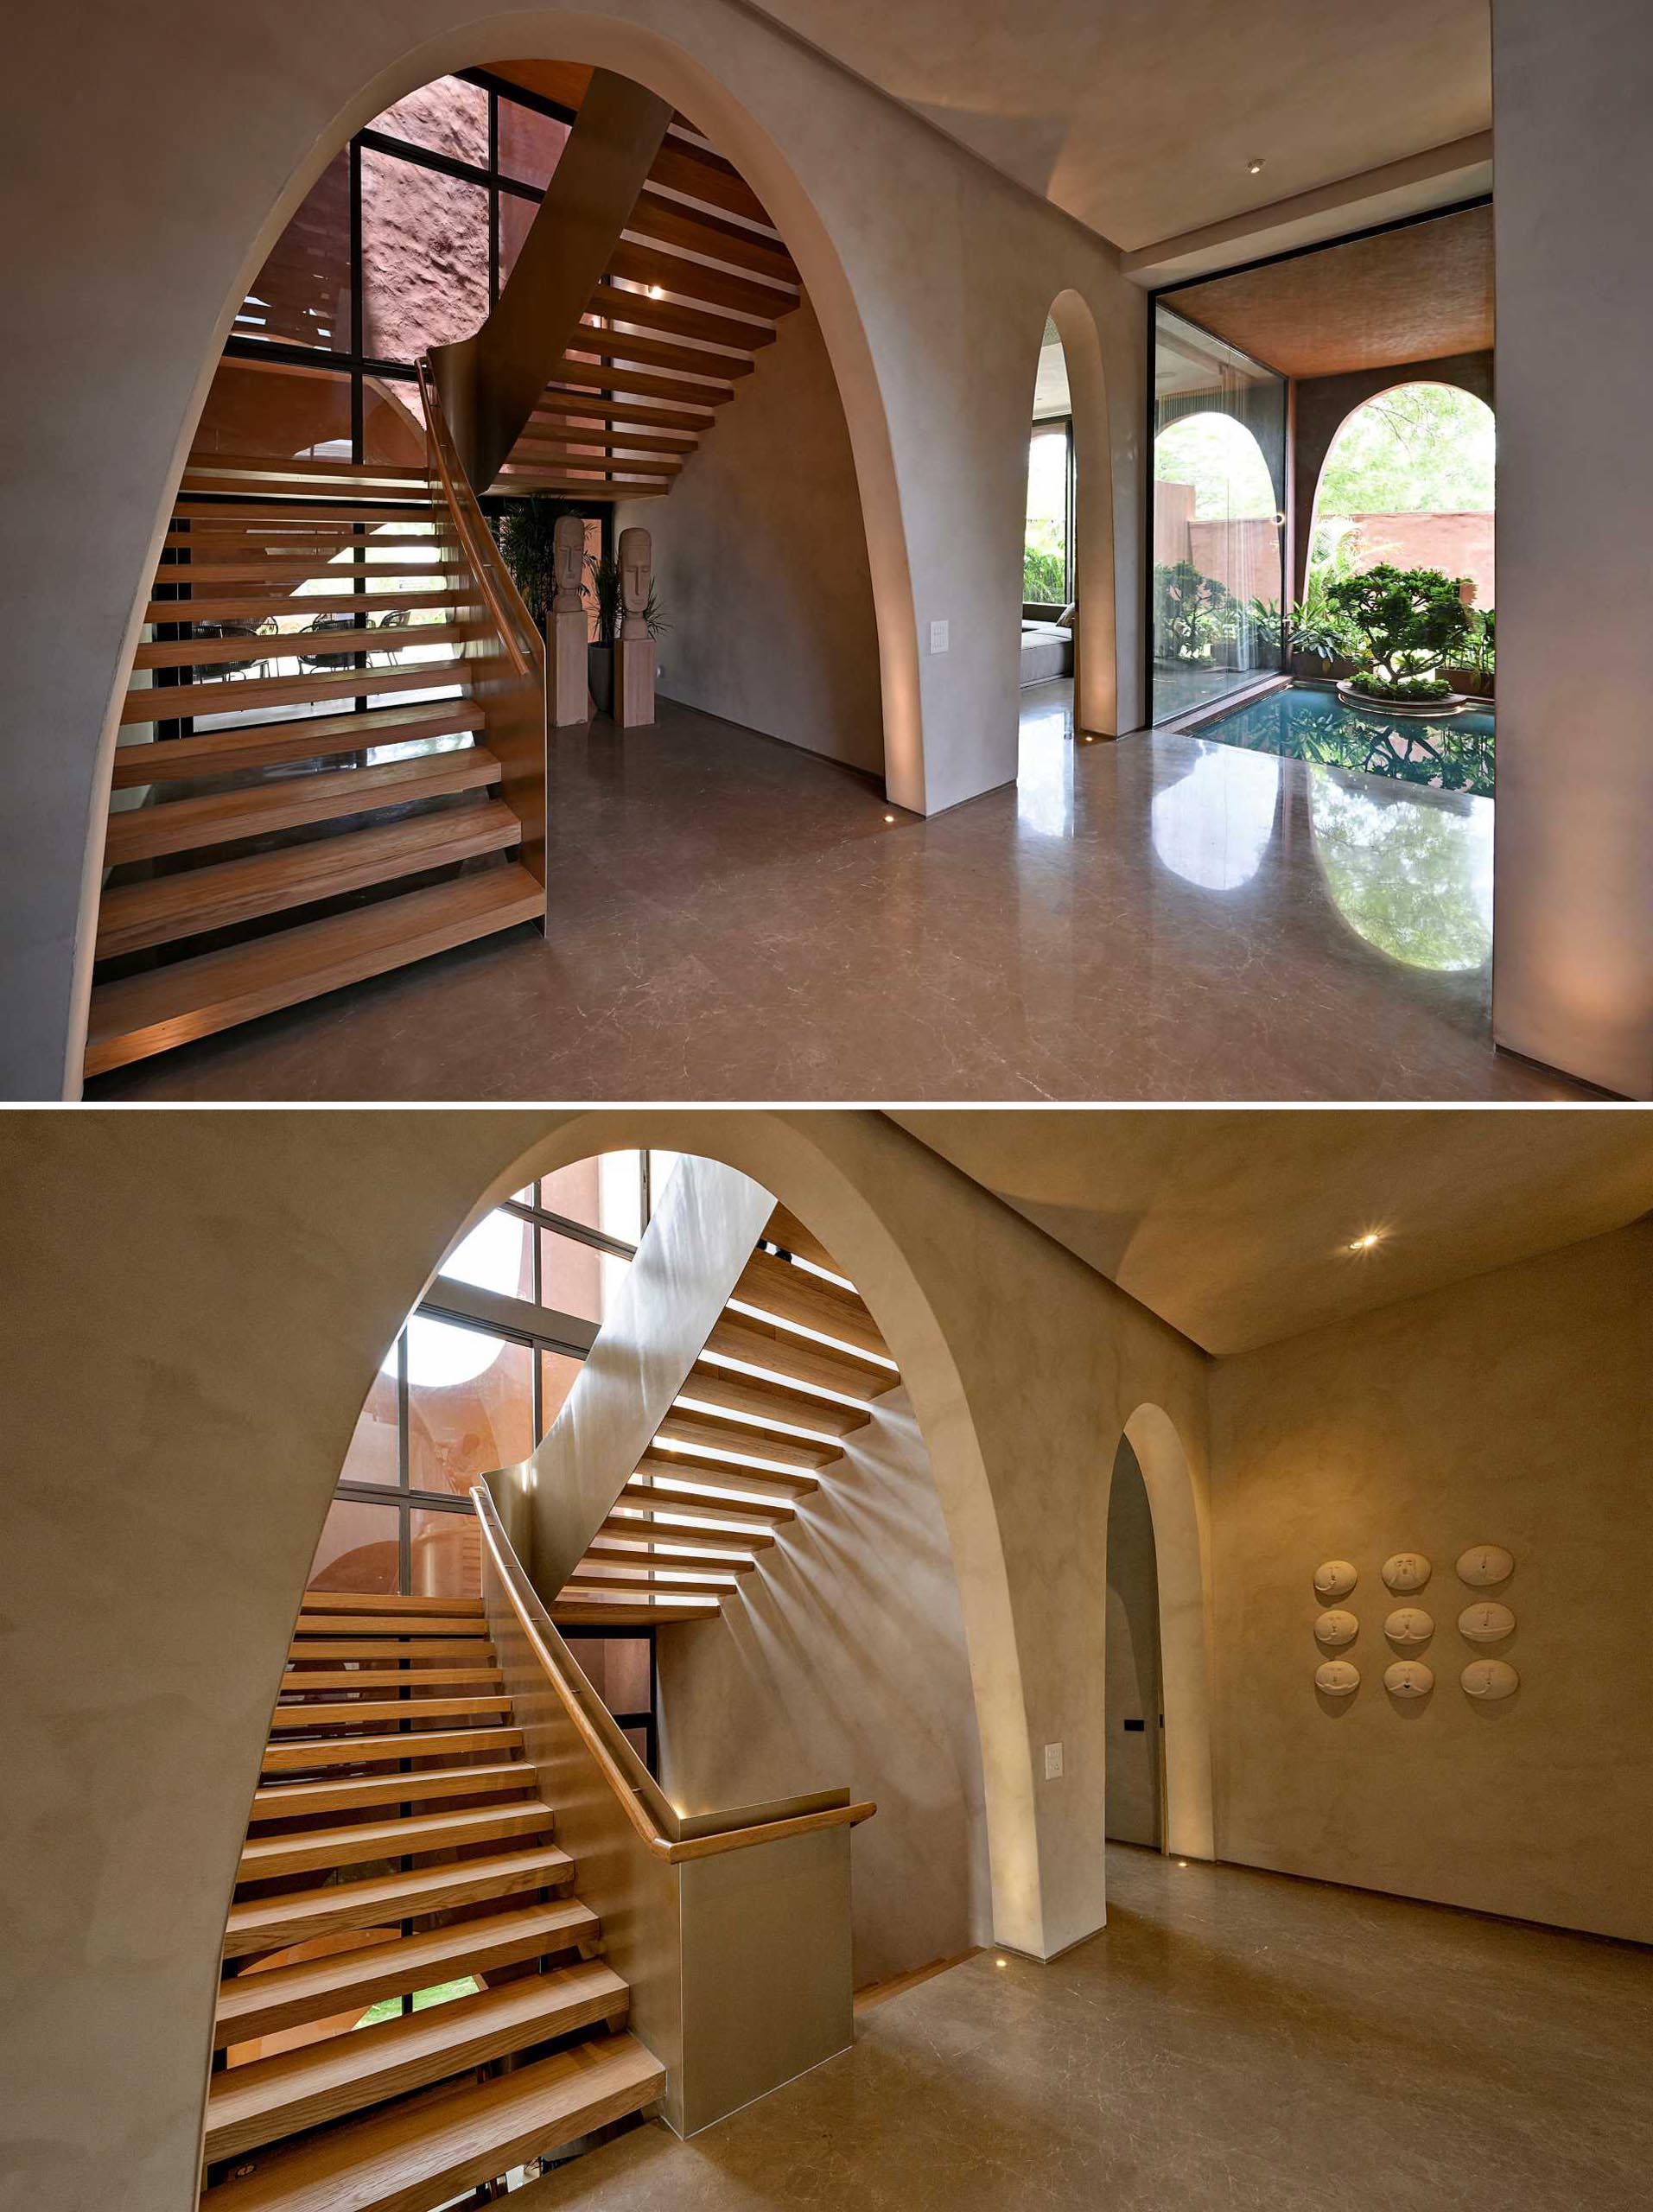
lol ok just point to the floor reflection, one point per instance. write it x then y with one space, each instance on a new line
1045 759
1412 876
1213 826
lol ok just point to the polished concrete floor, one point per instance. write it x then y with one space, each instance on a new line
1165 918
1232 2042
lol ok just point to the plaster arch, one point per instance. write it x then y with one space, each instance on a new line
1182 1552
1096 679
667 67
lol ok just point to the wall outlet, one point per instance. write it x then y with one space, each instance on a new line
1052 1762
938 637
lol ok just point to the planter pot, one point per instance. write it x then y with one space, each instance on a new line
600 675
1471 682
1423 709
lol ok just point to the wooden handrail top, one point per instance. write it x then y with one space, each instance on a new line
674 1851
515 627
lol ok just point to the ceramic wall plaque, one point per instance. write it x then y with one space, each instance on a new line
1337 1678
1488 1679
1408 1625
1334 1578
1336 1628
1406 1571
1486 1622
1483 1566
1408 1678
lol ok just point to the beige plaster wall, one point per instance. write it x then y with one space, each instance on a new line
207 1301
760 559
1133 1656
843 1660
1512 1409
1573 951
930 274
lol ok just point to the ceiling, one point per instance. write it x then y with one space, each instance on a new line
1234 1226
1140 117
1413 295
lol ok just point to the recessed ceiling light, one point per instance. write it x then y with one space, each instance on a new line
1255 165
1366 1240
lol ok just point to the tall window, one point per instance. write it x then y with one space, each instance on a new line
1219 473
1048 546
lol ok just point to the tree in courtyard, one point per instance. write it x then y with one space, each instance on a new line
1410 623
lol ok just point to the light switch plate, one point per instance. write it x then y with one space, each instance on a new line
938 637
1052 1762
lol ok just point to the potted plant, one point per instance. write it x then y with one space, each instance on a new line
526 532
606 594
1322 643
1410 623
1478 673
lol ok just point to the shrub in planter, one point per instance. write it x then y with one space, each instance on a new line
1191 612
1409 622
526 533
1409 689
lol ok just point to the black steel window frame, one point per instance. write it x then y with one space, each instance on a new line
1210 277
647 1721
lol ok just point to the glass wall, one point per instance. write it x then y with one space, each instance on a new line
1047 545
1219 525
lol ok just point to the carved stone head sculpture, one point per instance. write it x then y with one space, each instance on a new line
1336 1628
1408 1625
1334 1578
1337 1678
636 580
1489 1680
1406 1571
568 558
1408 1678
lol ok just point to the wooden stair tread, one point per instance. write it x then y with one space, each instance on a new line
268 1858
658 352
762 1486
350 1713
784 1229
590 1612
640 261
192 998
235 694
292 567
646 1573
320 1623
271 1924
388 1602
263 2003
287 512
434 1645
709 1433
309 1801
742 1335
247 2105
780 1291
293 802
767 1517
293 1757
191 611
379 1682
596 376
263 466
680 319
771 1402
687 1549
132 916
412 2160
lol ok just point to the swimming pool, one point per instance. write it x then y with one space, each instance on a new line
1308 721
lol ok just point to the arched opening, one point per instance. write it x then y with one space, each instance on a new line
1408 479
1181 1583
1067 661
1134 1706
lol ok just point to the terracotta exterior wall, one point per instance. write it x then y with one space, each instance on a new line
1460 544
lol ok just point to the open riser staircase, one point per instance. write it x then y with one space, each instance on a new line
789 1374
413 1999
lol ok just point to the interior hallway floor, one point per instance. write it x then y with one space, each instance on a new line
1165 918
1234 2042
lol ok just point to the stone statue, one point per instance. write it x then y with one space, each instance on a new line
636 580
569 559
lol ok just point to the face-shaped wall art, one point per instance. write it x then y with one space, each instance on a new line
1408 1625
1486 1622
1337 1678
1408 1678
1483 1566
1336 1628
1406 1571
1489 1679
1334 1578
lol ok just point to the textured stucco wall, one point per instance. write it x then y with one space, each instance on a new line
761 562
1513 1409
933 277
843 1660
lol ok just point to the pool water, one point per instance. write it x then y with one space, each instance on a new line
1310 722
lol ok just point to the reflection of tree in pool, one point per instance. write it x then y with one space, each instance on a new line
1413 880
1445 754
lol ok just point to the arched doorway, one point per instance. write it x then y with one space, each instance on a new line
1181 1583
1068 635
1135 1777
1408 479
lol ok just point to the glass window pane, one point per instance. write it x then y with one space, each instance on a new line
557 1373
605 1192
372 1456
516 218
470 1406
576 1278
425 258
617 1667
446 1554
276 408
446 117
359 1549
1045 557
497 1255
529 144
302 294
393 423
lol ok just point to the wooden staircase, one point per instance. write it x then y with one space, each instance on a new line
789 1372
398 1846
694 288
325 793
